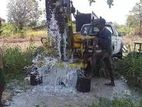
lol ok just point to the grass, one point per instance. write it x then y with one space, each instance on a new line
117 103
36 33
14 62
31 33
9 31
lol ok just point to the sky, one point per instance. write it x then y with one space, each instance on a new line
118 13
3 9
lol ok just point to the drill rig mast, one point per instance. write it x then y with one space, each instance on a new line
62 10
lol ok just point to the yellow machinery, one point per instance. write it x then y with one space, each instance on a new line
83 44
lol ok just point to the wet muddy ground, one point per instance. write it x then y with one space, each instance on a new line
48 96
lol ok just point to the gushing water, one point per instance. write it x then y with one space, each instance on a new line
56 37
65 44
53 32
56 75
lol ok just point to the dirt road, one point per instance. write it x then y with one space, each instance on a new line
20 42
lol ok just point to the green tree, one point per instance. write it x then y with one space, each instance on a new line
134 20
23 12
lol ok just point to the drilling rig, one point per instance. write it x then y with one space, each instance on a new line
63 11
77 43
83 43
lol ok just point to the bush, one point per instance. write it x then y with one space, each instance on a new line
122 103
8 29
15 60
131 68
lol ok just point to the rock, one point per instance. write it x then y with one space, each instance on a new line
6 103
36 105
127 92
7 95
18 91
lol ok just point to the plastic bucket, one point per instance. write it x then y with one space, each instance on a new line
83 84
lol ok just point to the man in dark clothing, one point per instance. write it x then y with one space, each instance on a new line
104 44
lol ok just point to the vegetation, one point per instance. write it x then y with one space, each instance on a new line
117 103
134 19
130 67
22 13
10 30
109 2
124 30
15 60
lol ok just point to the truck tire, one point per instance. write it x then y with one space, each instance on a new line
119 55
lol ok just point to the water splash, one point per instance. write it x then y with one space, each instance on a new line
65 44
59 40
56 28
56 74
54 34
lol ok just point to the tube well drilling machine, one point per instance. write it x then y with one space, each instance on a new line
63 10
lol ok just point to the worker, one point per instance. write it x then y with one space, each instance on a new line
2 80
104 44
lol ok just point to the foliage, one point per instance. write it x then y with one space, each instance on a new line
123 29
23 12
15 60
109 2
8 29
116 103
134 19
130 67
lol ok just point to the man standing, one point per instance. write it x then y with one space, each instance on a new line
104 43
2 80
